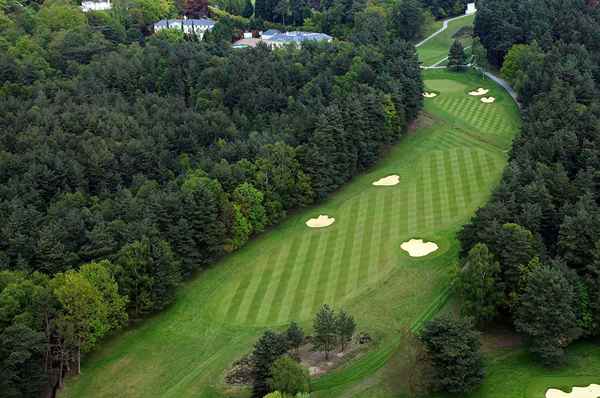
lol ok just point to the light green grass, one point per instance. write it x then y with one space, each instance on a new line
437 48
516 374
448 168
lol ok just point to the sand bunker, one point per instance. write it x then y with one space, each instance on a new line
320 222
488 100
591 391
388 181
418 248
429 95
479 92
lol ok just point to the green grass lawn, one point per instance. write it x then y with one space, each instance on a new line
431 28
448 166
515 374
437 48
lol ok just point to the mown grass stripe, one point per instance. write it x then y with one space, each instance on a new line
476 160
305 272
346 259
326 267
237 302
281 289
278 271
450 186
420 199
386 227
464 176
436 197
367 239
262 287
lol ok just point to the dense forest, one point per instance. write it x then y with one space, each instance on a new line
532 254
128 162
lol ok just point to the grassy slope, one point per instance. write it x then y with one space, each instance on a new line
437 48
447 167
514 373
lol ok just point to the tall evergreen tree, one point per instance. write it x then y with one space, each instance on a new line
546 313
457 58
454 349
267 350
345 327
480 284
324 330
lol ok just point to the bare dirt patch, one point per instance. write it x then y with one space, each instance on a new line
317 363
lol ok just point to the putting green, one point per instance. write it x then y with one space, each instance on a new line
447 167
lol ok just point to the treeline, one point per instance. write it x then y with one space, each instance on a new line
442 9
533 252
152 161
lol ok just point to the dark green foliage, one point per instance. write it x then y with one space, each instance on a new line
406 19
442 9
148 274
248 9
457 58
294 335
288 376
21 360
345 327
270 347
324 330
546 312
543 221
480 284
156 155
453 348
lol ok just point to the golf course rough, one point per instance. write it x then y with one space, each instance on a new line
449 165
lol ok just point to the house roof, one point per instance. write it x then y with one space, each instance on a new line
164 23
297 37
271 32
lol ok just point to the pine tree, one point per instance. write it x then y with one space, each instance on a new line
454 349
295 335
457 57
345 327
267 350
325 332
479 284
546 313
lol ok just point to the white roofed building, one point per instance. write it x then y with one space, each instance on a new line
188 26
87 6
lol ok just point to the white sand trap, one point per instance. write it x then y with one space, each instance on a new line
418 248
320 222
488 100
591 391
388 181
479 92
429 95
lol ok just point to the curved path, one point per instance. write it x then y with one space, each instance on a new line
443 28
